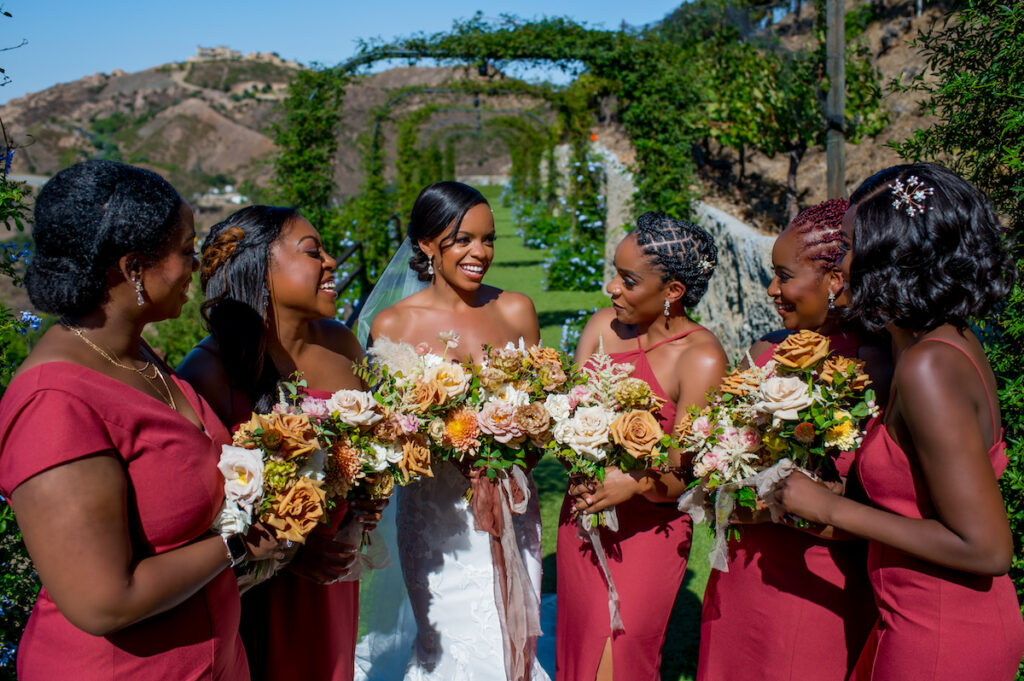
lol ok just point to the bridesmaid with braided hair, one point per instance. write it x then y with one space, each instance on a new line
795 604
270 308
662 270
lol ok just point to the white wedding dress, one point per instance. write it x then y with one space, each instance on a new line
443 624
431 614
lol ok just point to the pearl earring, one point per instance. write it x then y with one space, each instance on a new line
138 291
831 300
666 307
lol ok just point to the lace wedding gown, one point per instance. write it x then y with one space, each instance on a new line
436 618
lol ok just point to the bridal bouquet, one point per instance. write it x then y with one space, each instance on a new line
805 405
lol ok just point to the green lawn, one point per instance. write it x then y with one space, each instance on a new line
517 268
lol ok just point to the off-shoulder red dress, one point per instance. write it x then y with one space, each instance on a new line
59 412
647 560
791 606
937 624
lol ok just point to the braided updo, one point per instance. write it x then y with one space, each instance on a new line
439 206
234 275
820 230
86 218
683 251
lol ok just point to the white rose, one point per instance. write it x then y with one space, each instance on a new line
232 519
783 397
314 466
586 432
517 398
381 455
243 475
557 407
354 407
452 376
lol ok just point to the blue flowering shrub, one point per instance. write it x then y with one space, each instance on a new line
572 328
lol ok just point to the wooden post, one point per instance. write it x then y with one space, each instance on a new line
835 106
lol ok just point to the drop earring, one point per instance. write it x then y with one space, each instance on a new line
831 300
666 307
138 291
430 267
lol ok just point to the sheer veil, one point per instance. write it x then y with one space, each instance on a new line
397 282
386 624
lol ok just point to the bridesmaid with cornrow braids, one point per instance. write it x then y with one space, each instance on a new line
808 594
662 270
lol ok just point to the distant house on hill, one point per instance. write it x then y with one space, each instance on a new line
212 53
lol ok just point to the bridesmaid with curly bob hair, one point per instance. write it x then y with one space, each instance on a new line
928 256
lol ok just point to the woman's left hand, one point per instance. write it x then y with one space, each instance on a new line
616 488
806 498
368 511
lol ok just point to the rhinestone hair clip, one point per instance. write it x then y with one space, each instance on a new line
910 198
705 265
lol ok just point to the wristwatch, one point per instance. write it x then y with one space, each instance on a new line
237 550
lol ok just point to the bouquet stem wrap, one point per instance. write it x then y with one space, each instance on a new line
586 528
494 502
693 502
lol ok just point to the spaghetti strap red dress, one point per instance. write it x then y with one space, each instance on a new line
937 624
647 561
294 628
59 412
791 606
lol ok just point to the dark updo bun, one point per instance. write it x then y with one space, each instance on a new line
86 218
438 206
683 251
947 264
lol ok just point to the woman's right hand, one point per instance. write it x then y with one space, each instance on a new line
324 559
262 544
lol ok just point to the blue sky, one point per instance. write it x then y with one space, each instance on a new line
68 39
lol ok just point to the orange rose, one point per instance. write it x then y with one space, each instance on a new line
841 365
294 515
415 458
388 429
287 435
802 350
738 383
424 395
535 422
551 375
540 355
637 432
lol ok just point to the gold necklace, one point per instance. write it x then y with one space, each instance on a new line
166 395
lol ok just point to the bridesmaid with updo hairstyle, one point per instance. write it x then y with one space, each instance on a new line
108 459
270 306
808 594
928 257
662 270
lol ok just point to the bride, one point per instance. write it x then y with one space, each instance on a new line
449 626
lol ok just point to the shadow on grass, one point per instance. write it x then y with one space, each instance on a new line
554 317
518 263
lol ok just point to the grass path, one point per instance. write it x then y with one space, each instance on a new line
517 268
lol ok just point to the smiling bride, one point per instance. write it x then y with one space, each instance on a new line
446 563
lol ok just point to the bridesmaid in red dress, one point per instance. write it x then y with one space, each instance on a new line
810 596
269 285
927 258
663 268
108 459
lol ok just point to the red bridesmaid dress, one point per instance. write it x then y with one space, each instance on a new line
294 628
937 624
792 606
59 412
647 561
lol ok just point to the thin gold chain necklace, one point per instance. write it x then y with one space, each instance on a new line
165 395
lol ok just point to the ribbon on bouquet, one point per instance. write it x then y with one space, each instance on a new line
694 500
586 528
494 502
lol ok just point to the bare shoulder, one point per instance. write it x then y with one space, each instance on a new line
338 338
204 369
703 352
599 324
518 309
388 323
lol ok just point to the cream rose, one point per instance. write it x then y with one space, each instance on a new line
243 475
586 432
558 407
232 519
381 455
783 397
452 376
354 407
